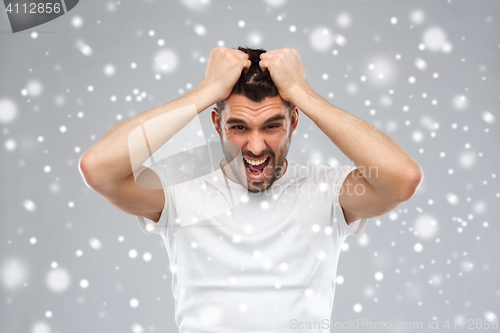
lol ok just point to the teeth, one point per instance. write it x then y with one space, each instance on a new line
255 162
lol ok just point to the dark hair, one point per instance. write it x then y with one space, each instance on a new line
254 83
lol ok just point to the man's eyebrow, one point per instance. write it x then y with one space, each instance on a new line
235 121
275 118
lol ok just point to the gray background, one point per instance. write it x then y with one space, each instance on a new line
55 232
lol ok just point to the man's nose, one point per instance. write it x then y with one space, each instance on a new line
256 143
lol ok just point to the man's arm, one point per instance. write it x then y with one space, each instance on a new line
386 174
111 165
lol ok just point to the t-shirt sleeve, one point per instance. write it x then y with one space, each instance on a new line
356 227
166 176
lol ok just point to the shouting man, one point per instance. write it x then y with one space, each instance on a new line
254 242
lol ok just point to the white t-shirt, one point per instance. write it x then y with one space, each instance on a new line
244 262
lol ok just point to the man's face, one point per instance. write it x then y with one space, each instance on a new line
262 131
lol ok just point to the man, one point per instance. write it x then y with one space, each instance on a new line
253 243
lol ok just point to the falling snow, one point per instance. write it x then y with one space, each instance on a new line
427 79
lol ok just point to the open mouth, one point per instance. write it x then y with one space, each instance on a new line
256 169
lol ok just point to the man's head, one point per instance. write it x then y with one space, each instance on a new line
259 122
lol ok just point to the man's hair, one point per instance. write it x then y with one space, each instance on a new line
254 83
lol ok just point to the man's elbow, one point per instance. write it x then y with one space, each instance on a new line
87 170
415 178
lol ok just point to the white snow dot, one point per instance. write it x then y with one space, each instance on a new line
275 3
434 38
165 61
452 198
254 38
460 102
200 30
8 110
109 70
264 205
29 205
13 274
136 328
321 39
283 266
132 253
95 243
421 64
34 88
41 327
490 316
417 17
58 280
344 20
488 117
10 144
418 247
77 21
85 49
84 284
134 302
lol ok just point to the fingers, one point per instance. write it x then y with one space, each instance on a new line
264 64
248 63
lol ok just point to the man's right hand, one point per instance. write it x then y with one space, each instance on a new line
223 70
109 166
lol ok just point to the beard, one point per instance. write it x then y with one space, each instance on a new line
275 165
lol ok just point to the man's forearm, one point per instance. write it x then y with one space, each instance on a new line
382 162
128 144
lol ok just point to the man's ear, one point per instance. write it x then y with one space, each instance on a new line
295 118
214 115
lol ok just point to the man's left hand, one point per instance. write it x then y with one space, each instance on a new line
286 71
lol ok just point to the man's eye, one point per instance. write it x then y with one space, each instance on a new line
238 127
272 126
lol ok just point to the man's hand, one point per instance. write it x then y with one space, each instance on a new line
286 71
224 69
